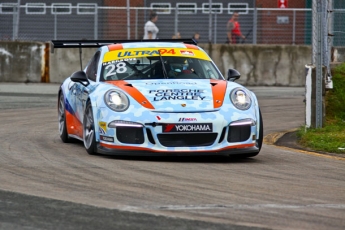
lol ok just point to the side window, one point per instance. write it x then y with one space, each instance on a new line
91 71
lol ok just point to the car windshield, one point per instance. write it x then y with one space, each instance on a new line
158 67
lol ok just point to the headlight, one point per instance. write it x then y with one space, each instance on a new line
116 100
240 98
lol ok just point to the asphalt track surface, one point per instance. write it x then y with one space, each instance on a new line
45 184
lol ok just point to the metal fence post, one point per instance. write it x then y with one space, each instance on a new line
329 38
55 26
318 121
255 23
16 21
136 23
215 28
128 21
210 21
176 22
294 28
96 24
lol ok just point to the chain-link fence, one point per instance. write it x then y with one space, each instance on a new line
43 22
338 19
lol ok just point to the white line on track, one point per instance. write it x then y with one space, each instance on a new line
239 206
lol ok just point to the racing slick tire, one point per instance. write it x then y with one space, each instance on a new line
62 119
261 132
89 136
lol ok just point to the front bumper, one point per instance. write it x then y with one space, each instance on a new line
150 138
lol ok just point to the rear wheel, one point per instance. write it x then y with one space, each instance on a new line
62 119
89 130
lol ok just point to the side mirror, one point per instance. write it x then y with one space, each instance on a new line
233 75
80 76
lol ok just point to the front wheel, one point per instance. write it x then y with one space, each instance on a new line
261 132
89 130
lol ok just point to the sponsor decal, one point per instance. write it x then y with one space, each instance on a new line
187 128
187 119
107 139
103 126
177 94
119 60
145 52
171 83
100 130
136 52
187 52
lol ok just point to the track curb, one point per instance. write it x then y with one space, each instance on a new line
272 138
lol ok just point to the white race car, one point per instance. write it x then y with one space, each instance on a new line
157 97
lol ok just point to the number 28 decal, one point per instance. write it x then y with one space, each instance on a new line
114 69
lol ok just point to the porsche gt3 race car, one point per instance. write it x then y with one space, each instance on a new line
157 97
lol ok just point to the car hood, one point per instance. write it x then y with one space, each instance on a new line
186 95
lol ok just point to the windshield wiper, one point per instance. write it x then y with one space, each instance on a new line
165 73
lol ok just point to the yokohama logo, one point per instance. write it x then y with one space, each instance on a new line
187 128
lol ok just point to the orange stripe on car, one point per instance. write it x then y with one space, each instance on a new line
136 94
121 147
218 92
115 47
73 125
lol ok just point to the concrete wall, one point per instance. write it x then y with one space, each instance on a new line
262 65
65 61
265 65
22 61
338 54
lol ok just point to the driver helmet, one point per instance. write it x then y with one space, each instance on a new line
179 66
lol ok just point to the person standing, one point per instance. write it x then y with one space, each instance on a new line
196 36
176 36
150 28
234 33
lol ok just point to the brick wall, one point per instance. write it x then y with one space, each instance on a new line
116 28
274 3
271 28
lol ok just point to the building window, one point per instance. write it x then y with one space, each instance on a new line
8 8
186 8
35 8
61 8
161 8
241 8
216 8
86 8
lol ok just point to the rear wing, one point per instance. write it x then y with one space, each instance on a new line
99 43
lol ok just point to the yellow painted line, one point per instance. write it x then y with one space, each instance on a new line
272 138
